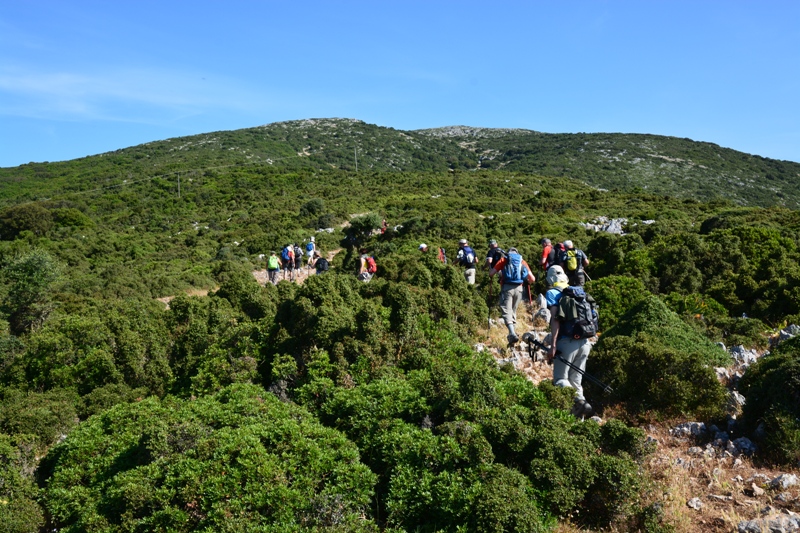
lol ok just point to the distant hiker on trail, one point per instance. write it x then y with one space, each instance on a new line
573 262
442 256
273 267
367 267
494 254
467 259
515 273
319 263
311 249
287 259
569 334
298 257
548 254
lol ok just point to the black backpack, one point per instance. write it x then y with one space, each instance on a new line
322 265
580 312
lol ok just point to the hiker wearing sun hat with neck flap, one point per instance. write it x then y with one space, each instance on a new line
569 366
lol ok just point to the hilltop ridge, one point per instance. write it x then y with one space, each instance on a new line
655 164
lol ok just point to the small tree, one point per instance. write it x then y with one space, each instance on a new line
361 227
27 302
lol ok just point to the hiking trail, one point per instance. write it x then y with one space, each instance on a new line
261 277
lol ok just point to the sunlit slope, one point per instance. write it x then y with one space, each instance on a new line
651 163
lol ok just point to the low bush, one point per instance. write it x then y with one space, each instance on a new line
772 411
239 460
658 366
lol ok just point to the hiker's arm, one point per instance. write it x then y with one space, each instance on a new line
555 326
497 267
531 279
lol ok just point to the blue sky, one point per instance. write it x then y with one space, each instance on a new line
84 77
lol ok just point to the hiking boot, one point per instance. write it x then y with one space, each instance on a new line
581 408
512 339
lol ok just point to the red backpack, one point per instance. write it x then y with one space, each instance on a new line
372 267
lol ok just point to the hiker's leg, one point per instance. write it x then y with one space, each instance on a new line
469 275
576 352
509 297
560 369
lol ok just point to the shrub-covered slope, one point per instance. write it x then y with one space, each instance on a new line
628 162
386 369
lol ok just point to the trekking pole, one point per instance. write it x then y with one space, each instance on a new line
490 302
606 388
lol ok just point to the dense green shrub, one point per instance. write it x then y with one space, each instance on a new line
239 460
772 411
27 302
48 416
19 509
658 365
615 295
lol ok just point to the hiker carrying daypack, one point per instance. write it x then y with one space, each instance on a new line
372 267
321 265
286 253
579 312
573 262
515 270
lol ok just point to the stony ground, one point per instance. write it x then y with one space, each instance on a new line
701 482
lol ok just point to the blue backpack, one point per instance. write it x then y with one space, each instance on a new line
310 247
514 272
285 254
469 257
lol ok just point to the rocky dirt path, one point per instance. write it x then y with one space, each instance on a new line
299 275
261 277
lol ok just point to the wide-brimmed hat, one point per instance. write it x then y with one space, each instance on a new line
462 241
423 246
556 277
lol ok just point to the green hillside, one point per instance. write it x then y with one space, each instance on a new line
349 406
627 162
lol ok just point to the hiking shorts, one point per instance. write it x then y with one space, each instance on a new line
469 275
510 297
575 351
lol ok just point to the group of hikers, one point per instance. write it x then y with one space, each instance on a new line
290 261
573 314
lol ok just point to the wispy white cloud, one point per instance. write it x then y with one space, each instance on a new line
122 94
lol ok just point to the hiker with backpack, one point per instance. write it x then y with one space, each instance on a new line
367 267
311 249
467 259
298 257
494 254
548 254
319 263
573 321
515 272
287 259
573 261
273 267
